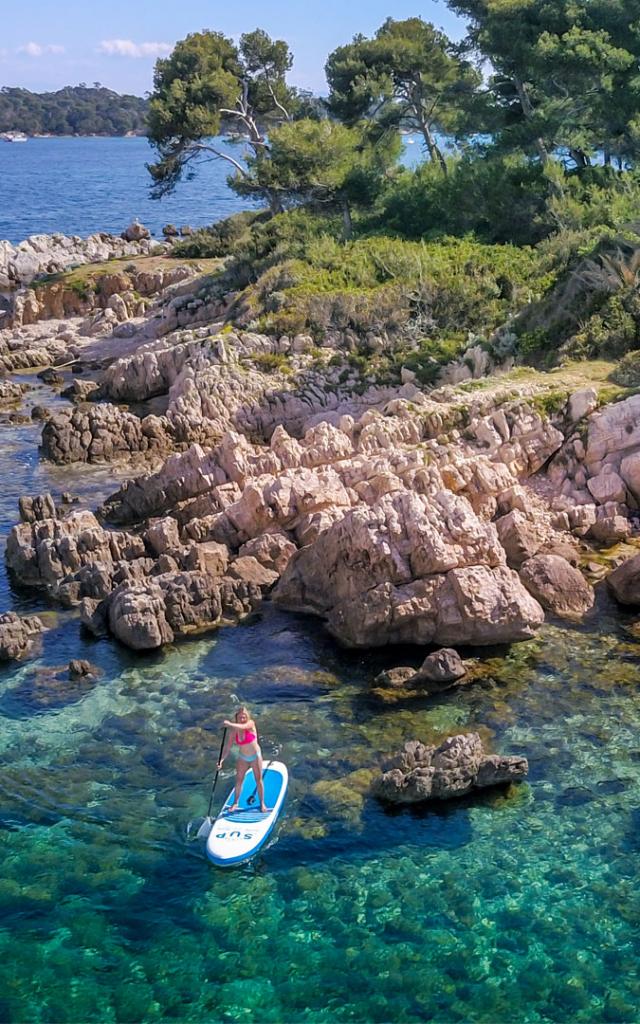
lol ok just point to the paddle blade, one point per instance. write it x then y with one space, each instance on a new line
205 828
193 829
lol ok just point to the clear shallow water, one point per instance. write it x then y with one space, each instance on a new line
520 906
78 186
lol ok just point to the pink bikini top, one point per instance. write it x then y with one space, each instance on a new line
249 737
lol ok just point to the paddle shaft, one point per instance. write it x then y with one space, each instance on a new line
213 788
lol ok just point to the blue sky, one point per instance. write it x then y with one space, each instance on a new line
45 45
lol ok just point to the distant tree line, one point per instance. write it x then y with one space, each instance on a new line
74 110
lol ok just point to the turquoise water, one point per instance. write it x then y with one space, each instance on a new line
522 905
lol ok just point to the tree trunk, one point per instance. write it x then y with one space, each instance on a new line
432 146
527 110
347 225
275 202
580 158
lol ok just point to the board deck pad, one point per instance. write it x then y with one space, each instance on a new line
238 835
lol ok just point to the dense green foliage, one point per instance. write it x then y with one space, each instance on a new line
208 82
79 110
518 227
408 75
565 74
384 285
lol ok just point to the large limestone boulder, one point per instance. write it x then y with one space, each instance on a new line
137 617
608 486
135 232
411 569
614 432
630 473
453 769
273 550
145 615
624 582
519 537
558 586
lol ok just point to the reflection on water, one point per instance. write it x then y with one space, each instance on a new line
522 905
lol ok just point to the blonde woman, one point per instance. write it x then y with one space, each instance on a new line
244 734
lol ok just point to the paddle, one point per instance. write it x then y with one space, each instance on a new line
207 824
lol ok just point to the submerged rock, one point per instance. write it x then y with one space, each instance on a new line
453 769
443 667
395 676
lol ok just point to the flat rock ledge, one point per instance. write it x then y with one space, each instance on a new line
459 765
17 635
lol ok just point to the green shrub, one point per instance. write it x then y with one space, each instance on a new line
496 198
431 356
271 362
221 239
627 372
381 284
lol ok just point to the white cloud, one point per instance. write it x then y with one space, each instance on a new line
40 49
127 48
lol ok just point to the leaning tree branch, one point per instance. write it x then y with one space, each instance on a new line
202 147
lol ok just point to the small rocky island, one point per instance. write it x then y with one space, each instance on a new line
276 468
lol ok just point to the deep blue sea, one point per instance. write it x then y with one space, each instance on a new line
518 906
78 186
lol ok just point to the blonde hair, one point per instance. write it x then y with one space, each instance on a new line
243 707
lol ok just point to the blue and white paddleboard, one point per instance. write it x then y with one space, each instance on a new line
237 835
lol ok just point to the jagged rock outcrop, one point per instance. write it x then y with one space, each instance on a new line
146 616
51 254
102 433
453 769
17 635
44 552
11 392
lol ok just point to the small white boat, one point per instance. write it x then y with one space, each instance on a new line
238 835
14 137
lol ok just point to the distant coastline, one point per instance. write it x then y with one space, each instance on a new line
80 135
81 110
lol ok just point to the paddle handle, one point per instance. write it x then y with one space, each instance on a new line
213 788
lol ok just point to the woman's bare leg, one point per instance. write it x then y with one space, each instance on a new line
241 771
257 774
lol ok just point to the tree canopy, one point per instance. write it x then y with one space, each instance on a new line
566 73
408 75
320 162
209 83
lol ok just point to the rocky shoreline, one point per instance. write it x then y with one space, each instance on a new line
272 468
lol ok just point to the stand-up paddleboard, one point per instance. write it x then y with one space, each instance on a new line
237 835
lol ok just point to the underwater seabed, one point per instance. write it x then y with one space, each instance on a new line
522 905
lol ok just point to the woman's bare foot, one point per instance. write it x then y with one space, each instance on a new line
265 809
234 807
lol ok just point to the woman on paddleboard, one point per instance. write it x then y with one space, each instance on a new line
244 734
